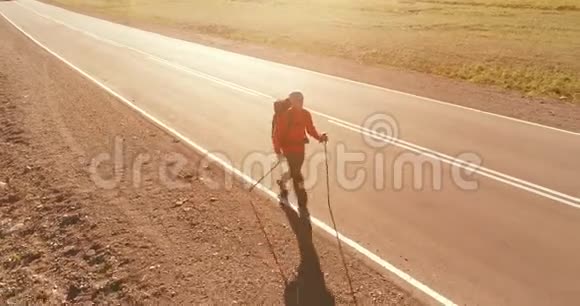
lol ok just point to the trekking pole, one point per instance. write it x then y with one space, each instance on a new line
263 177
270 246
334 226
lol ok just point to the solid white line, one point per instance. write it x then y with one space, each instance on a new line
333 76
437 155
228 167
460 163
433 100
495 175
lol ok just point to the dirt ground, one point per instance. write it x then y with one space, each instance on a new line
457 46
63 239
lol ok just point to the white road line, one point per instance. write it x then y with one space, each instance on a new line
340 78
459 163
152 56
375 258
437 155
492 174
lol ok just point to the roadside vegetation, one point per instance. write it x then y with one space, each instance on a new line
525 45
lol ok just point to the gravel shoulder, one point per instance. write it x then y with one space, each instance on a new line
64 238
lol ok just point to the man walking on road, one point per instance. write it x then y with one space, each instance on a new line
289 138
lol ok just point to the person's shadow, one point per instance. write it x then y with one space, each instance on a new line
308 287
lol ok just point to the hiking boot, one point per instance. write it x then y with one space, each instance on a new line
283 196
304 213
282 186
283 201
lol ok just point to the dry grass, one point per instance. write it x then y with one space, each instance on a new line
526 45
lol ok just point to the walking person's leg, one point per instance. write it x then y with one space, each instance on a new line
283 180
295 161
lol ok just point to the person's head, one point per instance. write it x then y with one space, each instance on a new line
296 99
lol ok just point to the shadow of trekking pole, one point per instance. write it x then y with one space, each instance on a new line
308 287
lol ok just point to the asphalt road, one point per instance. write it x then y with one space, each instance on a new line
504 232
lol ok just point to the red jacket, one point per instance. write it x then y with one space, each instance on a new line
290 131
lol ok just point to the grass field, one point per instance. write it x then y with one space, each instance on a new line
528 45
